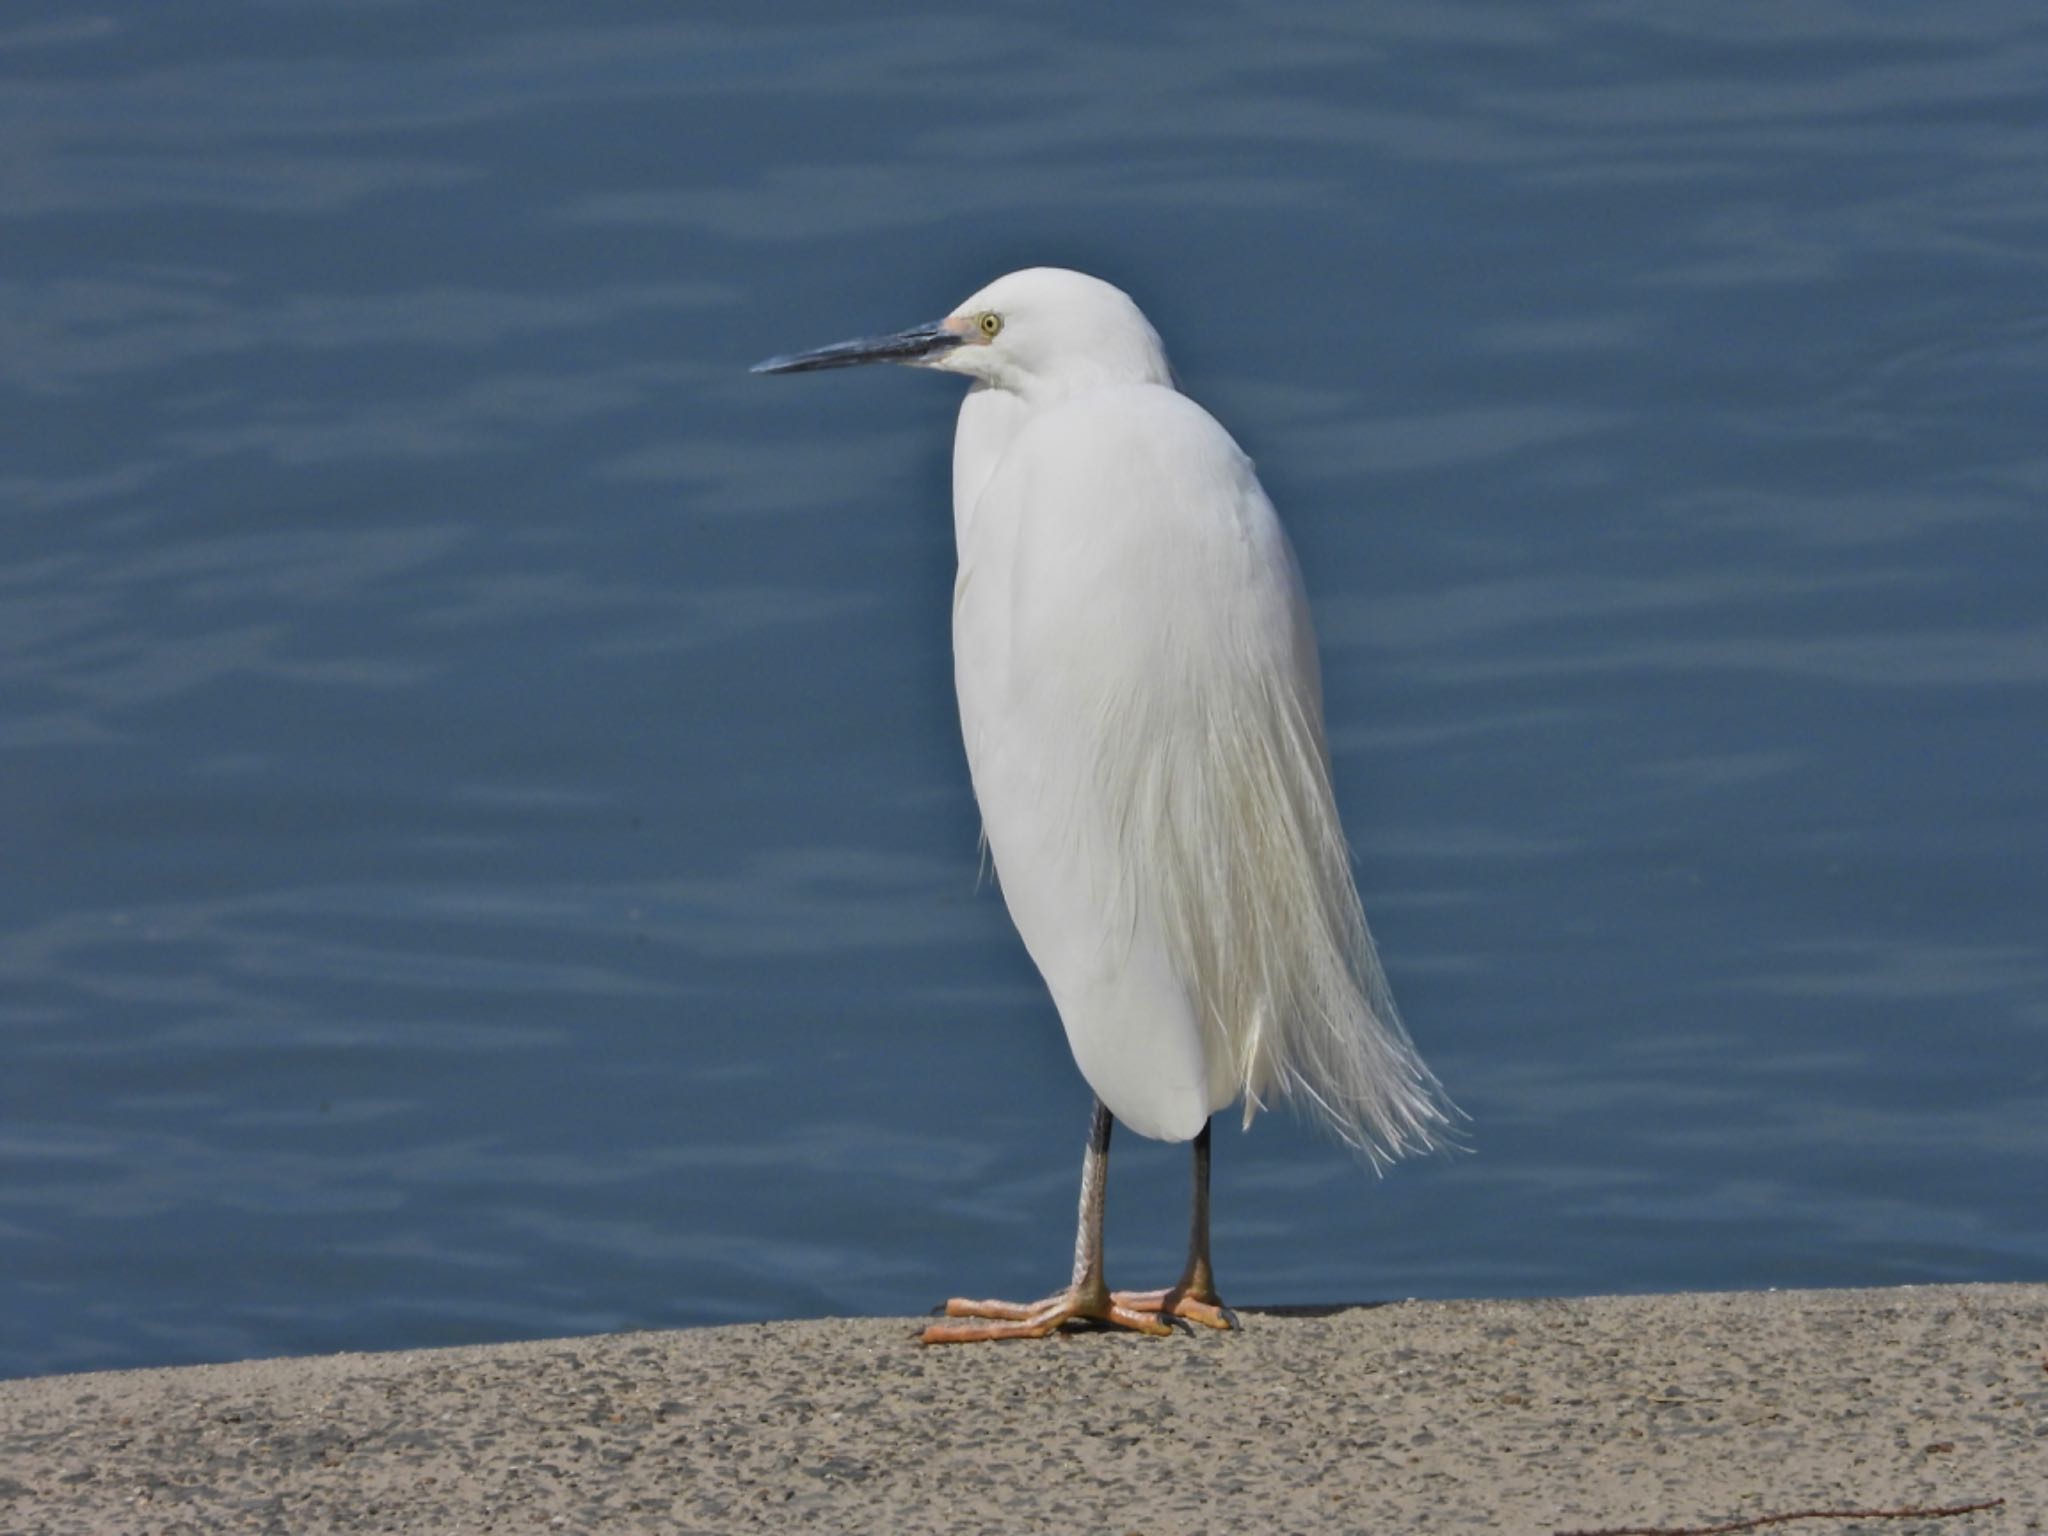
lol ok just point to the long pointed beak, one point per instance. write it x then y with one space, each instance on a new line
912 346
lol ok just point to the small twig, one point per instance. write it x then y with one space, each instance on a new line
1797 1514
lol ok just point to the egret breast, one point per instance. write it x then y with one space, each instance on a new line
1123 588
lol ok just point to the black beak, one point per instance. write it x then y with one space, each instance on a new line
911 346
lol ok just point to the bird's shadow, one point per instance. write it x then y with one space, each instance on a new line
1314 1309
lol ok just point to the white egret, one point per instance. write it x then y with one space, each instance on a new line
1142 708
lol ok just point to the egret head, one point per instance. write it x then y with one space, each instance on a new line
1042 332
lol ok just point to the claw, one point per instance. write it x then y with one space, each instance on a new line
1183 1306
1035 1320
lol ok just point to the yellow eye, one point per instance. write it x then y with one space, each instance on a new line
990 323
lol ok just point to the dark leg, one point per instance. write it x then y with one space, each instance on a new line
1087 1298
1193 1296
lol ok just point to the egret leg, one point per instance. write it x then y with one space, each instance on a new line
1086 1299
1193 1296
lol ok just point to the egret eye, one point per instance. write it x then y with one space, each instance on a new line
991 322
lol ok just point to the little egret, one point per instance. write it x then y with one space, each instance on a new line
1142 708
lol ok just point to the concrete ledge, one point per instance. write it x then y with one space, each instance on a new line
1496 1416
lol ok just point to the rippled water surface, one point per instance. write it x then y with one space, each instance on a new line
484 848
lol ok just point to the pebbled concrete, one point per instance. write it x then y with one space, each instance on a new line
1496 1416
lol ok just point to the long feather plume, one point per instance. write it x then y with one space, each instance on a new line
1229 836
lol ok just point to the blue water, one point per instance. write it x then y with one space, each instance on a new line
484 848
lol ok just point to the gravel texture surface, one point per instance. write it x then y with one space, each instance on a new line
1498 1416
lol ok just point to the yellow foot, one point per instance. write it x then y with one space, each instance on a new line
1036 1319
1196 1307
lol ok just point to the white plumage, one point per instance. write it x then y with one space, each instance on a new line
1142 710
